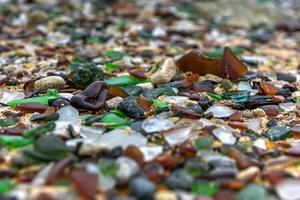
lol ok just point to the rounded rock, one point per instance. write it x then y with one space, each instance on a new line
50 82
142 188
114 102
165 195
165 74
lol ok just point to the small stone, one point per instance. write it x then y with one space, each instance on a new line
165 195
127 169
179 179
252 191
288 77
114 102
50 82
142 188
165 73
258 112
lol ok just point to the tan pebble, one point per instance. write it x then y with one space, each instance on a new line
165 74
114 102
165 195
259 112
50 82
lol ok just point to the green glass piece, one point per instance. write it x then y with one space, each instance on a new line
119 113
278 133
214 96
39 157
204 143
195 167
8 122
40 130
159 104
43 117
92 119
115 120
51 145
238 96
218 52
114 55
14 141
252 191
125 80
108 167
297 99
51 94
6 185
133 90
111 66
86 73
200 187
155 93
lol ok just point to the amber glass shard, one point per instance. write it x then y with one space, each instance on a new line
115 91
231 66
195 62
268 88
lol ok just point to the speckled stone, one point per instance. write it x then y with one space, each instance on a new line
50 82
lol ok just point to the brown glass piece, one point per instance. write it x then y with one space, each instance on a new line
238 125
85 183
137 73
237 116
153 171
189 80
31 108
57 170
93 97
115 91
242 161
134 153
229 66
268 89
16 130
169 162
144 103
187 149
274 176
270 110
199 87
186 112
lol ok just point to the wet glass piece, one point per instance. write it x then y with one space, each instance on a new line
114 120
14 141
51 94
8 122
40 130
237 96
232 68
125 80
201 187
